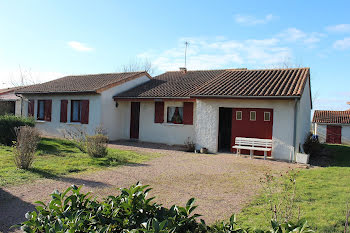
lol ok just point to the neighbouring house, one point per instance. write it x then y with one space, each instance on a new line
10 103
208 107
332 126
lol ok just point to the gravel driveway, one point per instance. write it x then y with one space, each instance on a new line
222 184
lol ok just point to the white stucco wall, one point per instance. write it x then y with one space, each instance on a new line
207 123
303 117
322 133
172 134
18 106
55 127
345 134
112 118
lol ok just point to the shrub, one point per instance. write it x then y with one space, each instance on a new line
96 146
8 123
311 145
130 211
25 146
190 145
77 134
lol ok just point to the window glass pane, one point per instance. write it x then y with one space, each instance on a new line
175 115
266 116
239 115
41 109
76 110
252 115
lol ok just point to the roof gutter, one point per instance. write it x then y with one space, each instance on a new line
244 97
56 93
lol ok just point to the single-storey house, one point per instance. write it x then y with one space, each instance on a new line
9 102
209 107
332 126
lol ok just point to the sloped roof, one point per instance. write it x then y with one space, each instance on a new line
331 117
91 83
223 83
172 84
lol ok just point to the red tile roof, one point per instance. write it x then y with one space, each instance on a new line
256 83
90 83
172 84
331 117
223 83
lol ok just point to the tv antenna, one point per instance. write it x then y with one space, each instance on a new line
186 44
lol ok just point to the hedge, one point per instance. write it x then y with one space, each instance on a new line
8 123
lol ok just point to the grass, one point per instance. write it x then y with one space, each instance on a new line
58 157
323 195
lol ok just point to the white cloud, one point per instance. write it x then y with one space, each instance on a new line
342 44
79 46
340 28
214 53
292 35
251 20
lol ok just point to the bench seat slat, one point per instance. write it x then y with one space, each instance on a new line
251 148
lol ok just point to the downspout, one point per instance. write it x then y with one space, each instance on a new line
295 128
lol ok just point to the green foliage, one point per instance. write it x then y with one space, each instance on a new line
96 145
322 194
131 211
58 157
25 146
8 123
311 145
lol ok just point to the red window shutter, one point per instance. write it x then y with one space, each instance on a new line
64 104
30 107
48 110
188 113
84 111
159 112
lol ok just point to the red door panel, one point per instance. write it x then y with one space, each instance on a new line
333 134
135 120
260 128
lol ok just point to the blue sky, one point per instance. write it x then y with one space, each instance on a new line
49 39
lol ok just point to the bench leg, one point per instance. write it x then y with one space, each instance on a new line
238 152
251 154
265 153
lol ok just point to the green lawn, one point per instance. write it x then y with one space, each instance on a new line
324 193
57 157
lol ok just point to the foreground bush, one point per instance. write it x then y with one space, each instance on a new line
25 146
8 123
131 211
96 146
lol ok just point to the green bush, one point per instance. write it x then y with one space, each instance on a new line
130 211
311 145
8 123
96 145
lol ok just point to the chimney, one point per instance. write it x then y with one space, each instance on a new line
183 69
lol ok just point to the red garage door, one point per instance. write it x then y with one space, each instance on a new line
252 123
333 134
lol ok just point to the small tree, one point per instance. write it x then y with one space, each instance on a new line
25 146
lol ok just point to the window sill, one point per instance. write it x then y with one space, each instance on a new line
73 123
40 121
172 124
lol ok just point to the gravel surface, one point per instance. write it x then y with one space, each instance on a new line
222 183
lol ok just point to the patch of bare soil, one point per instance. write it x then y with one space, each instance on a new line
222 184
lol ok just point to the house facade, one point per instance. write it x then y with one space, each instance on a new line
209 108
332 126
9 102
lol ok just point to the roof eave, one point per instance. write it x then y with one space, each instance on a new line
243 97
56 92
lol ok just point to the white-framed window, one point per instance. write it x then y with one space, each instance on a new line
253 115
41 110
75 111
267 116
238 115
175 115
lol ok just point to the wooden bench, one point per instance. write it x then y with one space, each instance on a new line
252 144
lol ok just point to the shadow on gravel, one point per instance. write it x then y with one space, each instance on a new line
71 180
148 145
12 211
